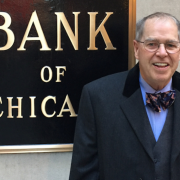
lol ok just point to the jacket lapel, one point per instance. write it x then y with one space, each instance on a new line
176 129
134 110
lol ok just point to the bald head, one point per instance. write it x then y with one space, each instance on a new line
155 16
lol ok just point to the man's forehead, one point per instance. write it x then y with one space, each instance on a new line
155 24
162 20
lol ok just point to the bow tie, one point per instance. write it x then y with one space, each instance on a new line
164 99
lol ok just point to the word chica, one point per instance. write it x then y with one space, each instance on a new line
67 102
60 18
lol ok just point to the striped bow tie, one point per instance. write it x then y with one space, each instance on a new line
164 99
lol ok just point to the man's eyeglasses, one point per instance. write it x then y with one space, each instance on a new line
153 46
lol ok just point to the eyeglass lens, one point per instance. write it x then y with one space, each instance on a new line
152 46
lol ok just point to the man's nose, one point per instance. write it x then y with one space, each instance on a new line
161 52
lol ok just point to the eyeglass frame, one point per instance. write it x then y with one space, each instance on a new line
159 46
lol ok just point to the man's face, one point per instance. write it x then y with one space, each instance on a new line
158 67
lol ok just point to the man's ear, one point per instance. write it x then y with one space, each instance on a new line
136 49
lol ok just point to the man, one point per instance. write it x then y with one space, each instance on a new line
122 133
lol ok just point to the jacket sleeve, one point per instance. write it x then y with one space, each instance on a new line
84 164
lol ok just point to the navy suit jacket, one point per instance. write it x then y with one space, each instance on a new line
113 138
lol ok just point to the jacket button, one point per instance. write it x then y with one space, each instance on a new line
155 160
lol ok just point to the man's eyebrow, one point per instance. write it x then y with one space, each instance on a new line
151 39
170 40
155 39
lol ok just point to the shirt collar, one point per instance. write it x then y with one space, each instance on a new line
147 88
132 81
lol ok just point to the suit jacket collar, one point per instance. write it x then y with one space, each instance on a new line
132 81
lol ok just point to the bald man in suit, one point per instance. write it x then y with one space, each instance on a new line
128 124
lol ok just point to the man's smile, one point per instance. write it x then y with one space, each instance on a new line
161 65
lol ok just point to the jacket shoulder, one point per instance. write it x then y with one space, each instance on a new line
111 83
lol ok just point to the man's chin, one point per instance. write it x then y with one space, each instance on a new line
161 81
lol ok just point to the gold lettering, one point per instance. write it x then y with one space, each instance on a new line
1 111
101 28
10 34
32 98
71 110
50 74
34 19
74 38
10 107
58 72
43 106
